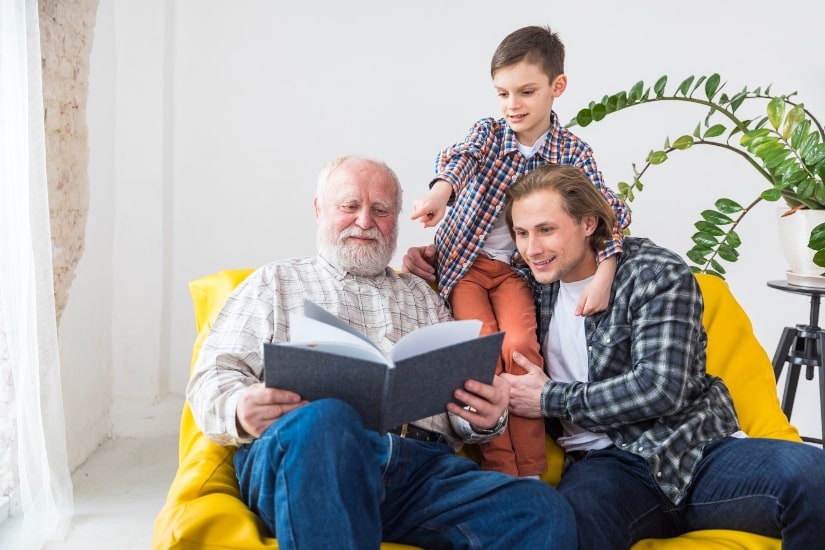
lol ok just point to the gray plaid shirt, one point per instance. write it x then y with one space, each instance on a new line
647 387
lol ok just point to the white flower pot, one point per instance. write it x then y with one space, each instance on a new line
794 233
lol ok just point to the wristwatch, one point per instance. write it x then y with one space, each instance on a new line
502 420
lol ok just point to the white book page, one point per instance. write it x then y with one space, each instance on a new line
323 337
435 337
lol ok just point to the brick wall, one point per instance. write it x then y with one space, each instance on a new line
66 31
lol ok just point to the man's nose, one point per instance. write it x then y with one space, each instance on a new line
533 246
363 218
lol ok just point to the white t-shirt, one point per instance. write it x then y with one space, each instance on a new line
499 244
565 352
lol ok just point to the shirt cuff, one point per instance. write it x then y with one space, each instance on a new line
471 434
552 400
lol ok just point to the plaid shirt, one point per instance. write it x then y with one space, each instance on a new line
647 387
384 308
481 169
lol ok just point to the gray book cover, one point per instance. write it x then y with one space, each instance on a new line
386 392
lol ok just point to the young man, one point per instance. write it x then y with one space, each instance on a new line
311 471
473 243
653 442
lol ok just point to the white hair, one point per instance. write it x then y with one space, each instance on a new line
331 166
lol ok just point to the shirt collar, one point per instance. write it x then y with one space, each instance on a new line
341 274
510 145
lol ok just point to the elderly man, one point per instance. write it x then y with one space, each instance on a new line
311 471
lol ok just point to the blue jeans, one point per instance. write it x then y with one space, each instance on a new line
318 479
765 486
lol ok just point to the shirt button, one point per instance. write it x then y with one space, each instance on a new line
658 474
641 449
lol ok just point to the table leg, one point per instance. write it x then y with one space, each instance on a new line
780 357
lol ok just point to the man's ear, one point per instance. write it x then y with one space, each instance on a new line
590 224
559 85
317 208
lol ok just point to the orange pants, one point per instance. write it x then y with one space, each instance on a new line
496 295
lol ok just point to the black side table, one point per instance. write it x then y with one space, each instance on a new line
801 345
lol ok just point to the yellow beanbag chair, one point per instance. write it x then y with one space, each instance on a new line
203 509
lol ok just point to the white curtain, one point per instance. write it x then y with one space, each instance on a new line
42 503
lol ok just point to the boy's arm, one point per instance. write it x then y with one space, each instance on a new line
459 163
588 165
596 295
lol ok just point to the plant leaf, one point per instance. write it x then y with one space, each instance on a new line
707 227
659 87
635 92
657 157
776 110
817 238
816 155
732 239
584 118
717 267
715 130
771 195
728 253
819 259
698 83
795 116
712 85
683 87
728 206
599 112
696 256
704 238
716 217
684 142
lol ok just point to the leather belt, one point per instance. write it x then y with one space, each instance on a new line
414 432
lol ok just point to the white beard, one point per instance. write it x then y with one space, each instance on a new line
358 259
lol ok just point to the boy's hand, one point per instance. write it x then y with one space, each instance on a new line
431 207
420 261
596 295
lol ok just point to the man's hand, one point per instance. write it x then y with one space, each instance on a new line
260 406
487 402
525 389
420 260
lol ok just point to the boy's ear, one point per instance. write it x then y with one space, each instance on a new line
559 84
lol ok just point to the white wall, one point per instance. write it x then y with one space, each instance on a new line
225 111
85 334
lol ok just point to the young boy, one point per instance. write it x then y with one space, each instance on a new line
473 243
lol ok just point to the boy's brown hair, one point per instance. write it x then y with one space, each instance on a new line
534 44
579 198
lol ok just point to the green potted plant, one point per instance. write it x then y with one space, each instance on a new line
775 134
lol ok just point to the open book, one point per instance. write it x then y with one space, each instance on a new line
327 358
